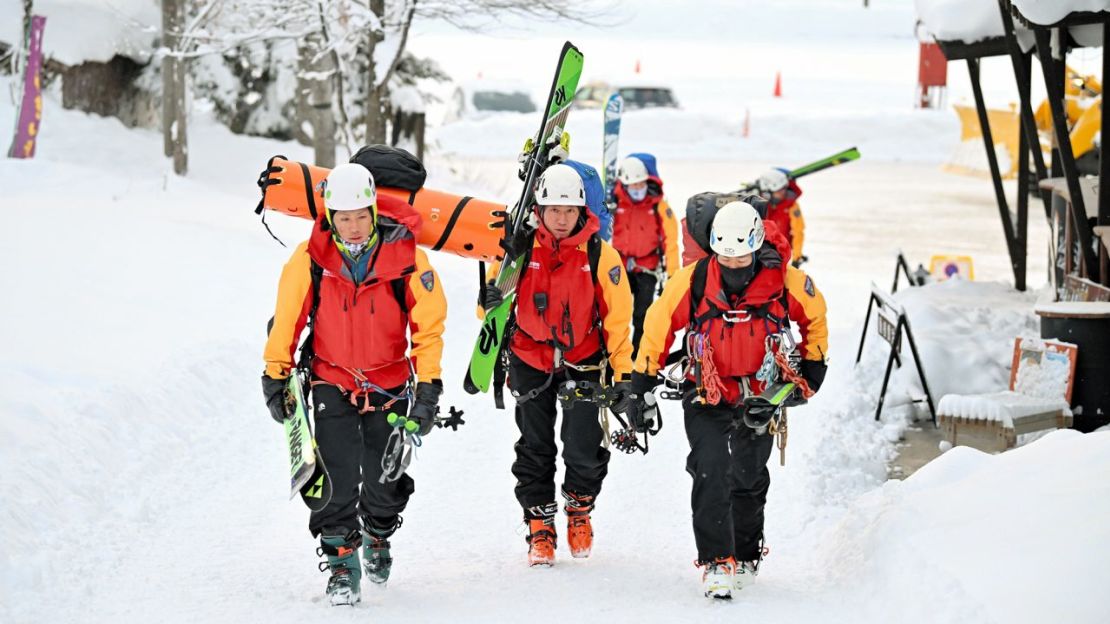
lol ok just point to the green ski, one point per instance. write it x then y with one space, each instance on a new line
308 475
839 158
847 155
563 88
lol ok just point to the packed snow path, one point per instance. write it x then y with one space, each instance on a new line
150 477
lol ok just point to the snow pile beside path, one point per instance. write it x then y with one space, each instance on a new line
1016 537
965 336
960 20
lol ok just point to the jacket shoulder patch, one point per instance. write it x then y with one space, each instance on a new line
810 290
615 275
428 279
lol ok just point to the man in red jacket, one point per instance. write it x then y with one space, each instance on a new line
572 317
782 193
645 233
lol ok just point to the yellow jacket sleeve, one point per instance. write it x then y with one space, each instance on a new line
797 231
294 302
427 314
808 310
616 311
666 316
670 237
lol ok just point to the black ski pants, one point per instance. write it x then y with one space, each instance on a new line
585 460
729 468
643 293
351 445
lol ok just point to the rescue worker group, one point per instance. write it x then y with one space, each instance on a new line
603 315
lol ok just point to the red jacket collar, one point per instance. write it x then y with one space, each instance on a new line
396 252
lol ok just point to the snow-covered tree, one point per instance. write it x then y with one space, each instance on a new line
348 56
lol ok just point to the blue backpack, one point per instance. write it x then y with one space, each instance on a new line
595 196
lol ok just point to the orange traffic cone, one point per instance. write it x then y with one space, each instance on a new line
778 84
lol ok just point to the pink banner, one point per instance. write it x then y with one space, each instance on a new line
30 108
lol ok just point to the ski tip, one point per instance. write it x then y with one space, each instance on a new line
469 386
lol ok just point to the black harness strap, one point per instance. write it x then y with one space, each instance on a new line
308 190
451 223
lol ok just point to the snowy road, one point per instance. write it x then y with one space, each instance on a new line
170 484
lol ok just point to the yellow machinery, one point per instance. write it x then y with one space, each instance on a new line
1083 101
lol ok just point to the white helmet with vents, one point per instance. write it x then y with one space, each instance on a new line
737 230
560 185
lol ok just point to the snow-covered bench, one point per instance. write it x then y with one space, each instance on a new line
1038 399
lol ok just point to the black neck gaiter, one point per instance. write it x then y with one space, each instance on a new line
736 280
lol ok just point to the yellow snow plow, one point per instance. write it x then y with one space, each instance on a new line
1083 102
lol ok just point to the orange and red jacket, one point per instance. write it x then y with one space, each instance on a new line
582 309
787 215
738 347
645 231
362 328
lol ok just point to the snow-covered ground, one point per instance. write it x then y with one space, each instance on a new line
143 478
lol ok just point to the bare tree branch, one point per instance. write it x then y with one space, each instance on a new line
400 48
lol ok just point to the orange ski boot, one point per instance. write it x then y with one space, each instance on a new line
541 542
580 534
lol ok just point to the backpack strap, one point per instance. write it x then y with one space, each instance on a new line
307 351
398 285
697 293
593 254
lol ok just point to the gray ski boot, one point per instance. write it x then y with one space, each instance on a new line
375 549
341 549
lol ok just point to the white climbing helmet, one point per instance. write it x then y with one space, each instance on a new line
737 230
350 186
560 185
772 181
632 170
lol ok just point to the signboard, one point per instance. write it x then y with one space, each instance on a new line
944 267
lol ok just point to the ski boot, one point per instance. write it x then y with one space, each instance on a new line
341 549
718 578
580 534
375 549
746 571
541 535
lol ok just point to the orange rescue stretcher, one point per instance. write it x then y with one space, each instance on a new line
461 225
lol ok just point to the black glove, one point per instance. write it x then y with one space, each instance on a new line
491 296
274 392
643 412
643 384
814 373
424 405
799 262
624 397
